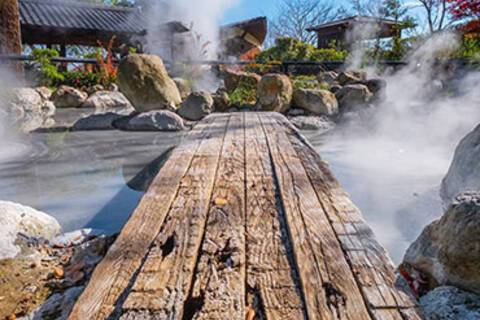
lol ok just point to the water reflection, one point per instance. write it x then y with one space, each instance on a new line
81 178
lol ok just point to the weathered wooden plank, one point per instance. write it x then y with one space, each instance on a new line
272 279
329 287
218 290
386 314
112 276
163 284
370 263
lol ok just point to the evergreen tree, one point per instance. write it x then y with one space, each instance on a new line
398 12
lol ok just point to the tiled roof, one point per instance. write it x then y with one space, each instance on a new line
353 20
78 15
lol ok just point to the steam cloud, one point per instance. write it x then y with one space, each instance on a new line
394 156
203 16
8 135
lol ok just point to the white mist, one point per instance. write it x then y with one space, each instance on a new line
391 159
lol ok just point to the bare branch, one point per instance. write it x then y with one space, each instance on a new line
295 16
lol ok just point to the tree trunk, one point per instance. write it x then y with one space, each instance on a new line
10 35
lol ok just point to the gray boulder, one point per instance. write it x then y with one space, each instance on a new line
375 85
348 77
221 101
312 123
44 92
183 87
352 96
15 219
335 88
450 303
101 121
351 77
68 97
464 172
197 106
26 109
448 250
232 79
145 82
161 120
328 77
293 112
105 101
275 93
319 102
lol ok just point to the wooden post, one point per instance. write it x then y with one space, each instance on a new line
10 35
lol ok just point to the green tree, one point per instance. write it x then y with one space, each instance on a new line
395 10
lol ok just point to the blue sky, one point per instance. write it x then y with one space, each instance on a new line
246 9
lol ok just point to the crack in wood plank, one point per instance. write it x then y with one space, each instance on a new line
165 279
271 277
114 274
328 283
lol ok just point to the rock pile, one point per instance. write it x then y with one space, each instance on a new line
448 250
42 278
144 85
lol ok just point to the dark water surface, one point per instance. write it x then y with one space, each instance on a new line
81 178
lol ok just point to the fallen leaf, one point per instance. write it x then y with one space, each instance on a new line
250 314
221 202
12 317
58 272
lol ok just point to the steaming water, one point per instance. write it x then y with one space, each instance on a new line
395 188
80 178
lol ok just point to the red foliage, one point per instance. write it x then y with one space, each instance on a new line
468 11
108 70
465 9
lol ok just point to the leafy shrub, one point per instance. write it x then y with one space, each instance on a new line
104 73
80 79
308 82
469 49
245 93
48 73
289 49
262 69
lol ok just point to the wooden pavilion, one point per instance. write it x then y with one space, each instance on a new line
346 31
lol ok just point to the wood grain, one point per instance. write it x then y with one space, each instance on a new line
370 263
164 281
273 285
330 289
245 221
218 290
113 275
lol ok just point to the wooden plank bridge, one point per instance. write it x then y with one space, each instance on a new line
245 221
